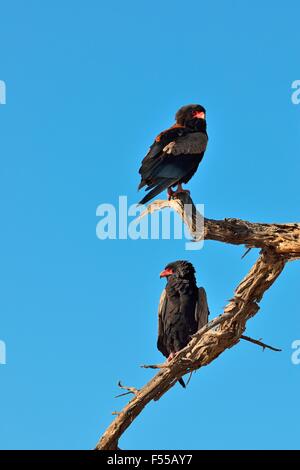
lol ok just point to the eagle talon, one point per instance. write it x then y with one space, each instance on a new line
171 356
180 190
170 194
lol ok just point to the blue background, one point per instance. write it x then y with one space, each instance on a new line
89 85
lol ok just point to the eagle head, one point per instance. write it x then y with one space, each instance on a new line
181 268
189 112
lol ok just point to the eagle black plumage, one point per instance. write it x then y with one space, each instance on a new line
175 155
182 310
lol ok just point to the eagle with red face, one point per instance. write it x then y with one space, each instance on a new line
182 311
175 155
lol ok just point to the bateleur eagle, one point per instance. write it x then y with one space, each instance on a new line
175 155
183 309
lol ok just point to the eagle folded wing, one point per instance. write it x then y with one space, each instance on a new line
201 310
190 144
161 335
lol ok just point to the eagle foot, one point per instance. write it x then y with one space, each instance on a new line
173 194
170 194
171 356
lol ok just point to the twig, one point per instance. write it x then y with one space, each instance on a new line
155 366
189 379
259 343
246 252
133 390
123 394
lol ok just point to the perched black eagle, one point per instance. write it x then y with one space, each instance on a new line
183 309
175 155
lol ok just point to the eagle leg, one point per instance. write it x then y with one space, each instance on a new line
170 193
180 190
171 356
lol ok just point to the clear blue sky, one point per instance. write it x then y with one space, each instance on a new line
89 85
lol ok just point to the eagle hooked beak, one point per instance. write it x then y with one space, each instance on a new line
199 115
166 273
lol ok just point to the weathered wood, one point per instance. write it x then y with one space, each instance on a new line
283 238
279 243
129 390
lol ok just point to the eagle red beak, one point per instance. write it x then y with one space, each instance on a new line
166 272
199 115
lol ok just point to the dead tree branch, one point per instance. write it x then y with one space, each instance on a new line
283 238
279 243
259 343
155 366
129 390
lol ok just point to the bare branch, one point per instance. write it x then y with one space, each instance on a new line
123 394
155 366
133 390
246 252
283 238
189 379
259 343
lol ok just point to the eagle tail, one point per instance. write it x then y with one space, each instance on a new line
158 189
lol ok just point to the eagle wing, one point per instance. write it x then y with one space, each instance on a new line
154 157
189 144
201 310
161 333
171 159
